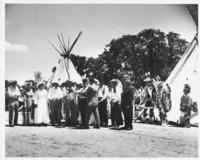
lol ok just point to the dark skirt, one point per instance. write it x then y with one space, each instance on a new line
116 114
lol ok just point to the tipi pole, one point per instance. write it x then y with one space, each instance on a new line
54 47
68 44
75 42
65 48
61 44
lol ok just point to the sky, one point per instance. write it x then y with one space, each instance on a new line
29 27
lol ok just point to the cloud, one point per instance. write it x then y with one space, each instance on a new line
20 48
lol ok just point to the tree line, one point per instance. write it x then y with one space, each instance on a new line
131 56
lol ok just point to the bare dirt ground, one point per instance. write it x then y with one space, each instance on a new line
144 141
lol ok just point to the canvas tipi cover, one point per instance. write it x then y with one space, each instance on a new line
66 71
187 71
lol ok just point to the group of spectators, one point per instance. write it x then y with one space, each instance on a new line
74 103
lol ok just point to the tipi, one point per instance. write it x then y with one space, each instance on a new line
187 71
65 69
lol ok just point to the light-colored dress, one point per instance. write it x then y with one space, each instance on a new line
41 111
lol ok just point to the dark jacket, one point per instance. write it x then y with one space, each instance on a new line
127 97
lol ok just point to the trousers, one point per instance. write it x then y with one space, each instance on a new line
13 112
26 112
102 106
128 115
149 103
55 108
82 106
92 107
71 112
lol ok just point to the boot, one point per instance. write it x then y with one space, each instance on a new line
187 123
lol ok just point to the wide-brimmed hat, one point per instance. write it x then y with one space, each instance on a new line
29 81
63 84
54 83
67 83
148 79
12 82
114 81
41 83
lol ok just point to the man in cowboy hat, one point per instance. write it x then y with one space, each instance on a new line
103 92
82 104
55 96
72 105
92 104
186 104
127 104
13 94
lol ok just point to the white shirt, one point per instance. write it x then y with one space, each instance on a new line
94 87
65 92
30 93
103 92
55 93
13 92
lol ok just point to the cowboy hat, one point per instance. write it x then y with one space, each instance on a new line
148 79
40 83
54 83
12 82
114 81
29 81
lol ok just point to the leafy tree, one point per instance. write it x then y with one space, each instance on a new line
79 63
130 56
176 47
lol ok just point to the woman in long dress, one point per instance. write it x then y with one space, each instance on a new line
115 101
41 111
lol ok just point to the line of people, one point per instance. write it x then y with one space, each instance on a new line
154 101
75 103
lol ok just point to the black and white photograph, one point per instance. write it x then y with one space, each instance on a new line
108 80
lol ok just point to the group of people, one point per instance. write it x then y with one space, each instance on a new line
153 97
156 96
73 103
